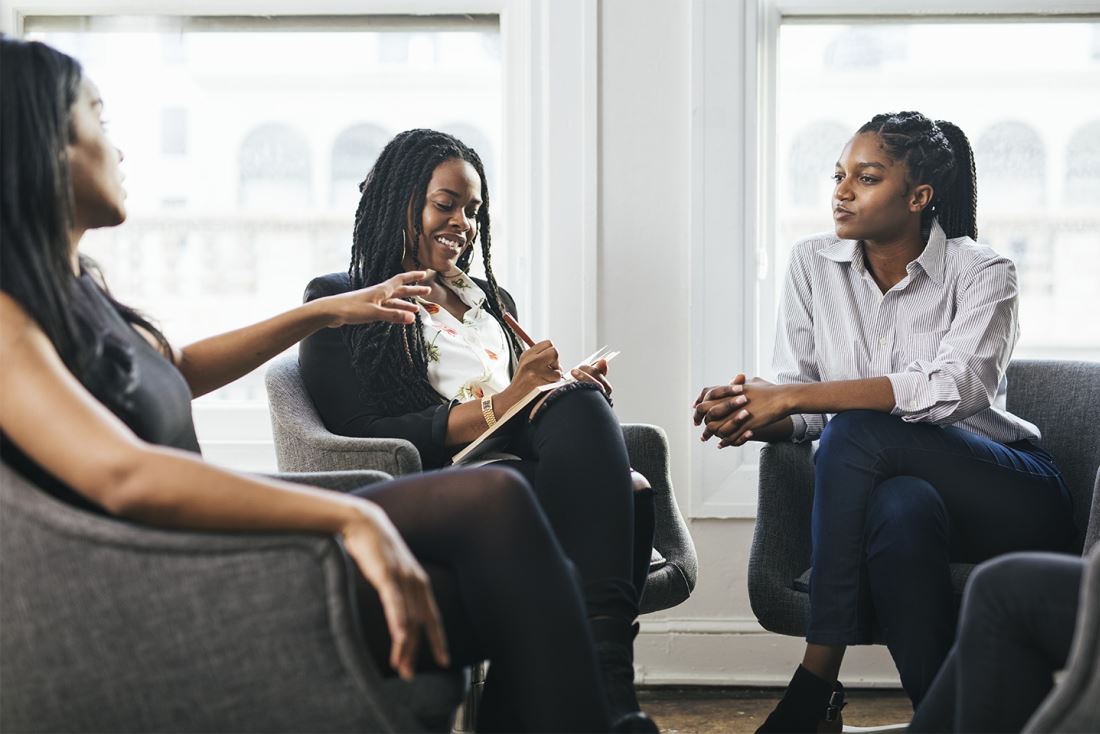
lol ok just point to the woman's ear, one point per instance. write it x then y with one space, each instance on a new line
920 197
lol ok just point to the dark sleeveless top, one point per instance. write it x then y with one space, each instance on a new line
157 410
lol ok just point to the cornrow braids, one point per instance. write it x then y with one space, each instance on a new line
391 360
937 153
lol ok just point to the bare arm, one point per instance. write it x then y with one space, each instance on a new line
211 363
166 487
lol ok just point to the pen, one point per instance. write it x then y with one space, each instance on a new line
511 321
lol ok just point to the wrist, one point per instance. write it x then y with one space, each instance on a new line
792 398
322 313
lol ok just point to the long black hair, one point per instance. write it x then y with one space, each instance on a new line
392 359
38 88
938 153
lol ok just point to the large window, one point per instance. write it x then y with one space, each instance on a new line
1026 95
245 141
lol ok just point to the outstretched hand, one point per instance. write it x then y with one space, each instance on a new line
381 302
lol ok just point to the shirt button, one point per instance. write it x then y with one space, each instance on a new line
882 342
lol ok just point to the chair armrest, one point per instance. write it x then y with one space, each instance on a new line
781 538
340 481
299 449
647 447
111 626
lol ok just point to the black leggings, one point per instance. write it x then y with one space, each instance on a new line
575 458
505 591
1016 627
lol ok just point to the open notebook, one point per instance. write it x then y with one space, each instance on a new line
487 441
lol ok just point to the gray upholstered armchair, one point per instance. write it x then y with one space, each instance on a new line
1061 397
303 443
110 626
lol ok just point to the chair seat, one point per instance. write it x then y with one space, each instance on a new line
960 572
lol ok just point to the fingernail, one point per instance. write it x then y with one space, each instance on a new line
743 414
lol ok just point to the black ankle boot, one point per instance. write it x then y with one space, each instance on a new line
615 656
833 722
802 707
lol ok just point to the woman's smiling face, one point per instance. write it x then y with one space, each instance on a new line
449 217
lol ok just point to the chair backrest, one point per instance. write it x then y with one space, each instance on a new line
303 442
1063 399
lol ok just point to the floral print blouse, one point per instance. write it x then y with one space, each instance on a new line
469 358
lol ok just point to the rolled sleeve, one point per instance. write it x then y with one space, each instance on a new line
961 380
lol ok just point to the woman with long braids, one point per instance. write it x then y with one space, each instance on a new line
79 363
440 381
893 340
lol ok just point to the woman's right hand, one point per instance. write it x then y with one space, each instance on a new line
402 585
538 365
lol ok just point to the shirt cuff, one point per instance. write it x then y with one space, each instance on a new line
806 427
912 393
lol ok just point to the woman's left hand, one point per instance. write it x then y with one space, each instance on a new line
594 373
764 404
382 302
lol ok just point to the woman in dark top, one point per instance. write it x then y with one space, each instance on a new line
443 379
94 408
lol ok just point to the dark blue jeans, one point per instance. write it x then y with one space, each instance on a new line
894 504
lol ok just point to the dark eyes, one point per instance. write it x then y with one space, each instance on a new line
447 206
864 179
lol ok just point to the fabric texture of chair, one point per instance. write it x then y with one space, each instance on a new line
1054 395
303 443
106 625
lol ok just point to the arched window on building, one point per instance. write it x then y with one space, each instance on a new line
353 153
1011 162
275 168
479 141
811 161
1083 166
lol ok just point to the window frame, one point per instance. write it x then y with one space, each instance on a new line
733 216
549 158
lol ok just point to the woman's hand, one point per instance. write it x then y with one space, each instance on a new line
537 366
382 302
594 373
733 412
402 585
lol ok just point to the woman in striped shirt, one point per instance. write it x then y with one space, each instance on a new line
893 340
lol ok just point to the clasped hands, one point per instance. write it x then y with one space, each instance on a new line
735 412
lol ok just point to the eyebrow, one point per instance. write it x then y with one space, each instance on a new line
457 195
865 164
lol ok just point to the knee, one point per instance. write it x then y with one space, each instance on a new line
504 493
992 583
906 520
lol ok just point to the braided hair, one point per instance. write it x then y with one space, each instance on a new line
937 153
391 360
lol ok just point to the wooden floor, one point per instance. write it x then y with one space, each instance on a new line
713 710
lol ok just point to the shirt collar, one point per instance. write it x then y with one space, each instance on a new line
931 258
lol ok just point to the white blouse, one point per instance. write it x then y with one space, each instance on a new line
469 358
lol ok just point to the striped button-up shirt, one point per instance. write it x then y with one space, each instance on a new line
943 335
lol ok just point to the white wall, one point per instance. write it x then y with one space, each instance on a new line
644 310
